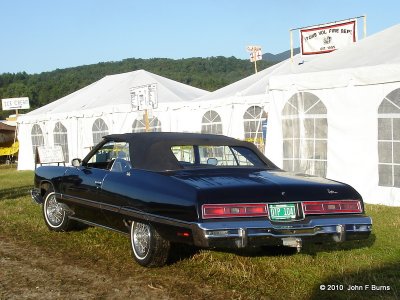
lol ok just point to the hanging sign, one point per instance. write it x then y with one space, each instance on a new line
144 97
328 37
15 103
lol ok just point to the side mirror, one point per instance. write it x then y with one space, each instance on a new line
76 162
212 161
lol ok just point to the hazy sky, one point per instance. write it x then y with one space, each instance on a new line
43 35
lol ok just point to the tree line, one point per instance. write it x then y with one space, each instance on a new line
209 74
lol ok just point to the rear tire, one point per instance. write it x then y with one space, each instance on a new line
54 213
149 249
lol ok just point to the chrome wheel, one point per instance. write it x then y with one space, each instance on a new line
140 237
149 248
54 212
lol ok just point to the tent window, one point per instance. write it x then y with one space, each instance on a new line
255 125
61 138
211 123
139 125
389 140
99 129
305 135
37 137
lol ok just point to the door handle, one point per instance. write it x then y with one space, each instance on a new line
97 182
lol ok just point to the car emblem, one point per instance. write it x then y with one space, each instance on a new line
128 173
331 191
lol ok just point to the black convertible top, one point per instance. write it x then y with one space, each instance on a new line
152 150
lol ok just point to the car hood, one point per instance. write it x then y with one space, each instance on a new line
251 185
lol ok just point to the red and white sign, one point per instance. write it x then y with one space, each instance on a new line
327 38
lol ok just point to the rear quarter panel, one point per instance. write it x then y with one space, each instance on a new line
151 192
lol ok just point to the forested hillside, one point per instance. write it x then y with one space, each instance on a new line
207 73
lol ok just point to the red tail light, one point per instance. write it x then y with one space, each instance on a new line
234 210
331 207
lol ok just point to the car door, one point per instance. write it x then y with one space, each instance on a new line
116 187
82 185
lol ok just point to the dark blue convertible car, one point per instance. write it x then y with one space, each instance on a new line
198 189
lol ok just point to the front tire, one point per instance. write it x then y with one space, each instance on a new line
149 249
54 213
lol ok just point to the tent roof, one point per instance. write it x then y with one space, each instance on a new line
357 63
5 126
252 85
115 90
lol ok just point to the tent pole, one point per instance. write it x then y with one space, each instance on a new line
291 44
365 26
146 120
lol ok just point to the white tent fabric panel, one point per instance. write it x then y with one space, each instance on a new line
373 60
352 137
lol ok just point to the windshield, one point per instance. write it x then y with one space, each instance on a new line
216 156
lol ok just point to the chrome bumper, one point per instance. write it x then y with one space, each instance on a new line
263 232
36 196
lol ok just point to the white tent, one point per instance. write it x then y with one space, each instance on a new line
78 120
238 110
339 116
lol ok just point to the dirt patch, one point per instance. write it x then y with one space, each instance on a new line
29 273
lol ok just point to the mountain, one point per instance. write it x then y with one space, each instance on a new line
280 56
208 73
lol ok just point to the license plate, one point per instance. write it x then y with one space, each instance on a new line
282 212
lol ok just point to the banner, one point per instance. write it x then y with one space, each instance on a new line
328 37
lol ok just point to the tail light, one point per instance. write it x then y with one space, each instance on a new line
331 207
210 211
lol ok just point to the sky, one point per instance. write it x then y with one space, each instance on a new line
44 35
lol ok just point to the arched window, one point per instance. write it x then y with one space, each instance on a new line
305 135
389 140
255 125
99 129
139 125
61 138
211 123
37 137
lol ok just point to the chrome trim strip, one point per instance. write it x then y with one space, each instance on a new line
81 201
314 222
97 225
155 218
127 211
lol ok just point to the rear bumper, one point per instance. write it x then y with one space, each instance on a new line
240 234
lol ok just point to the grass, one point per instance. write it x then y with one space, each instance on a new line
201 274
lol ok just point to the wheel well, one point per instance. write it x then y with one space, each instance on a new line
44 187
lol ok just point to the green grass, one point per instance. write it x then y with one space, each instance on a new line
205 274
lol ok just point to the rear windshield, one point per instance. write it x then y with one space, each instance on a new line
216 156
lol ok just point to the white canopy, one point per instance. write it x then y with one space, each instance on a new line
114 91
104 107
373 60
339 116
